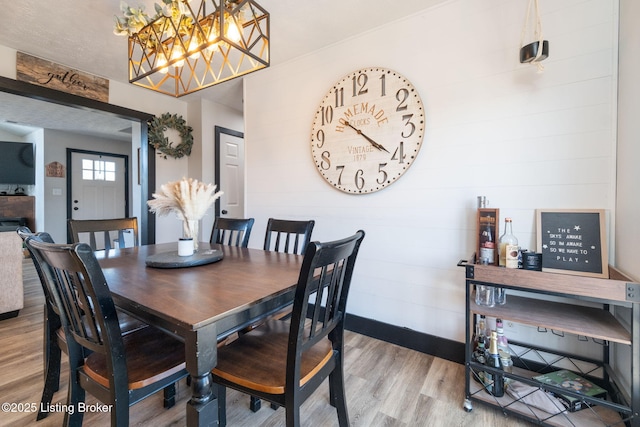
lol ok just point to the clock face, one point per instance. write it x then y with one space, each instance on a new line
367 131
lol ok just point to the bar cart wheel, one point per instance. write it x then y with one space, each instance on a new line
468 406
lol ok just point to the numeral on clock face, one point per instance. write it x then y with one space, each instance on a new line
399 153
339 97
367 131
360 84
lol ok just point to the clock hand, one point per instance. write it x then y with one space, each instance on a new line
371 141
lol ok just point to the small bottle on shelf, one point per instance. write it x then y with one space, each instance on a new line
503 343
503 349
487 333
508 246
494 382
479 356
481 332
487 244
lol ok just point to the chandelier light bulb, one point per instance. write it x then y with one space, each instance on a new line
162 63
194 52
233 32
177 53
213 34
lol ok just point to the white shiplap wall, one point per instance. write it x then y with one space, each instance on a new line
495 127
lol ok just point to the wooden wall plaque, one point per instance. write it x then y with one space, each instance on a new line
573 241
55 170
59 77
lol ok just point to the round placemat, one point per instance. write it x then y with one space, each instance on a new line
173 260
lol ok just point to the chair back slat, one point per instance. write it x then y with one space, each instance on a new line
232 231
321 296
107 230
290 236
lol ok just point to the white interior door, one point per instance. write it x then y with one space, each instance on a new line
231 175
97 186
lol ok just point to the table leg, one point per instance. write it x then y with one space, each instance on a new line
201 357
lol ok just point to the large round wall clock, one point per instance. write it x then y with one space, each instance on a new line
367 130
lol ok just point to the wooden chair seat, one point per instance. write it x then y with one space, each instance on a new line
152 355
259 360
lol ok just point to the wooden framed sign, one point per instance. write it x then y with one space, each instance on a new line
45 73
573 241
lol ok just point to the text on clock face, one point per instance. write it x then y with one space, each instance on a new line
378 116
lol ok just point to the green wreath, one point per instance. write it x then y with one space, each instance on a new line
157 127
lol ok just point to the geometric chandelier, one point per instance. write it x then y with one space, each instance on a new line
196 47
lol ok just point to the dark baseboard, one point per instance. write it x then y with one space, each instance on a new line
424 343
9 314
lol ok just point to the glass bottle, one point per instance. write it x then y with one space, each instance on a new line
508 246
503 343
487 243
487 333
481 329
503 350
479 356
494 382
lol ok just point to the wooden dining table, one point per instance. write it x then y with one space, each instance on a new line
201 304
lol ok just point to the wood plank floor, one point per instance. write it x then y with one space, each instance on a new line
387 385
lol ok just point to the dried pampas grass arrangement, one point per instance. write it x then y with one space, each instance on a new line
189 199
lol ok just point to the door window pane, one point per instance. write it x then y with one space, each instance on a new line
98 170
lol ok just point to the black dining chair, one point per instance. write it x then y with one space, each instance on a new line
102 233
291 236
118 369
54 339
284 362
232 231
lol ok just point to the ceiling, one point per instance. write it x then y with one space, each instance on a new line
79 34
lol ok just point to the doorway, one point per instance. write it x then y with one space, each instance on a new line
98 185
147 161
229 172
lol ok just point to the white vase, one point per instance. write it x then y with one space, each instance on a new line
190 230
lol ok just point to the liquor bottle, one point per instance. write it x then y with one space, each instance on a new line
479 356
480 332
508 246
494 382
503 343
503 350
487 332
487 243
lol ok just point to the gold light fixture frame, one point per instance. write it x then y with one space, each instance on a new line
187 52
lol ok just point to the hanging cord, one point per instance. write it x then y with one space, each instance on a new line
536 32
